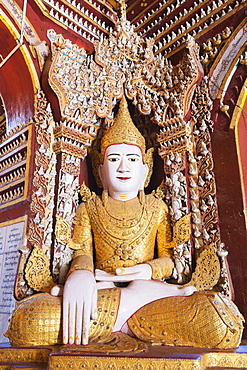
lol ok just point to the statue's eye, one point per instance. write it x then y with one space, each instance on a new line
133 159
113 159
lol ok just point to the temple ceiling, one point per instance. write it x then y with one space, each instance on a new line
167 21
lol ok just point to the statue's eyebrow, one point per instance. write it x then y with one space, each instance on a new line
113 154
127 155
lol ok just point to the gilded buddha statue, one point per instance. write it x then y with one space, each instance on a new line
116 237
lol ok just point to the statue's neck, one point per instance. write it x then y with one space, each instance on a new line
123 196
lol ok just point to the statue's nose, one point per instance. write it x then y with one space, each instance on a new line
123 166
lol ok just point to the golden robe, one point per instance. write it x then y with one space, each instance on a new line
123 234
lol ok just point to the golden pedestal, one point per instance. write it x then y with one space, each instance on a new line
154 358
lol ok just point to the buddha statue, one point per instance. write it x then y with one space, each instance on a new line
124 225
116 239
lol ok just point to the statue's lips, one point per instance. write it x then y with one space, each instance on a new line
123 178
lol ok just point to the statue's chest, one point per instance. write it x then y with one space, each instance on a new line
121 221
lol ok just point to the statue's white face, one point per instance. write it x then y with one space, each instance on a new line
123 172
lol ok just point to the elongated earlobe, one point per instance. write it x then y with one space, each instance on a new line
100 173
145 174
149 160
101 176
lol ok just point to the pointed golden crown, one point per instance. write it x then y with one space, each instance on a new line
123 130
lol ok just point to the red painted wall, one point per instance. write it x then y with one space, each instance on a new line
231 215
242 140
16 85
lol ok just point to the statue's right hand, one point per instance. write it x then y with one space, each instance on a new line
79 305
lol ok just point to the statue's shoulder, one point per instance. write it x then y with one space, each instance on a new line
160 192
157 197
88 199
86 194
156 201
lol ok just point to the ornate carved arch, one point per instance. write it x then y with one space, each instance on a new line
88 88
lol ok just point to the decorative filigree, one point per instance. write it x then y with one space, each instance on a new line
60 146
7 137
124 232
71 164
202 182
207 272
118 363
177 199
8 197
63 361
181 229
67 202
37 271
42 201
62 230
123 63
12 355
243 58
173 143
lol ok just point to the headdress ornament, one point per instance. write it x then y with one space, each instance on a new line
123 130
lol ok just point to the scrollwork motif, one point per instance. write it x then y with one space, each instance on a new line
37 271
42 201
202 183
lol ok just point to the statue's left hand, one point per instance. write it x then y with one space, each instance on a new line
125 274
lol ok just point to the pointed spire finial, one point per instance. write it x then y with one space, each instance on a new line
123 130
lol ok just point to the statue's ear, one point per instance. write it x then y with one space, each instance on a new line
100 173
149 161
146 173
97 160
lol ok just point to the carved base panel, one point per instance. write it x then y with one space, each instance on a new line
24 358
117 363
154 358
